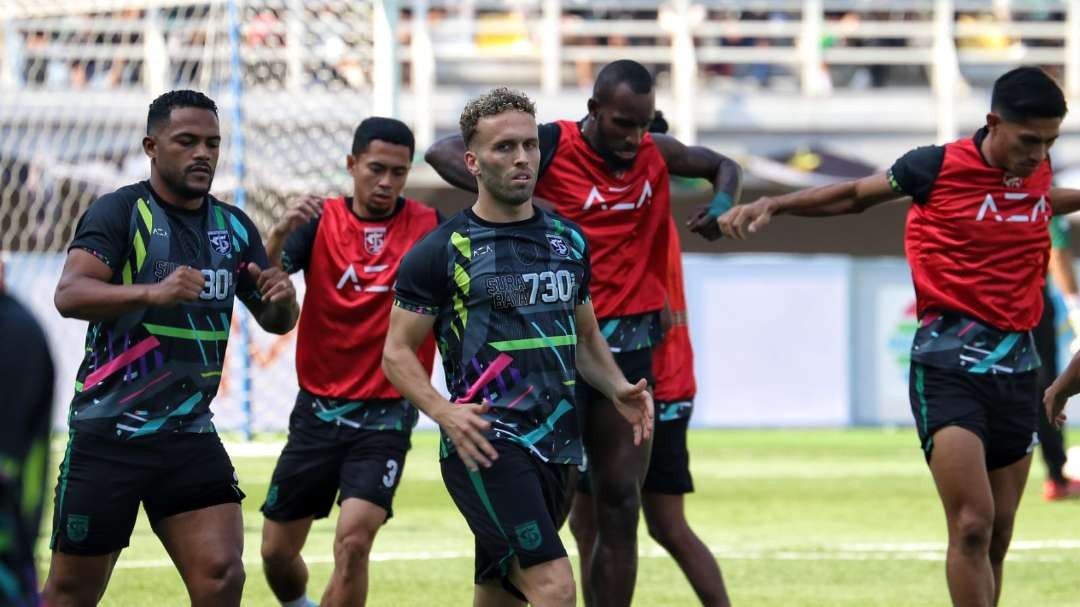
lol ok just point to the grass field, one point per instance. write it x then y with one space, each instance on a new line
822 517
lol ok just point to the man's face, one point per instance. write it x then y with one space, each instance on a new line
504 154
379 175
184 151
621 123
1022 146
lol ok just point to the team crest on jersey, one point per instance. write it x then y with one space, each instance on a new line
558 245
1012 181
374 240
219 240
78 527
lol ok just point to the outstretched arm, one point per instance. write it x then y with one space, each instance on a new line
824 201
447 157
1064 200
696 161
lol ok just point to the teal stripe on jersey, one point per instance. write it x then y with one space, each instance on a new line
546 428
609 328
998 353
330 415
185 407
239 228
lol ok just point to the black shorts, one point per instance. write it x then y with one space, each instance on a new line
514 509
635 365
999 408
103 480
669 464
323 460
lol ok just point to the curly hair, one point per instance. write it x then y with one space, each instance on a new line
492 103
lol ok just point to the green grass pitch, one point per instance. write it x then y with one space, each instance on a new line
814 517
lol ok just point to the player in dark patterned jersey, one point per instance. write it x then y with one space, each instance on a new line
977 242
350 429
26 372
607 174
155 267
506 287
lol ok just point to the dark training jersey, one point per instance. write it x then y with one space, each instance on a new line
26 373
156 369
504 296
349 268
624 217
978 244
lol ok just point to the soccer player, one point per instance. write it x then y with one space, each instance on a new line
1052 440
350 428
154 267
668 477
26 370
977 242
610 176
506 287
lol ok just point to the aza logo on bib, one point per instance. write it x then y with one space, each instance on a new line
528 535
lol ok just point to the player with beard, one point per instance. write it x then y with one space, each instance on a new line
350 429
506 287
610 176
978 243
155 267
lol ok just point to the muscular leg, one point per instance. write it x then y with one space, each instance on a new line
666 520
77 581
549 584
357 525
958 465
617 469
492 594
583 526
207 546
285 570
1007 485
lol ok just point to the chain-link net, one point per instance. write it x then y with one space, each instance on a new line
291 78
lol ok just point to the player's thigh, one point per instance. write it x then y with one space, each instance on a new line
78 576
97 495
373 468
284 539
615 464
306 477
958 465
204 542
511 509
539 579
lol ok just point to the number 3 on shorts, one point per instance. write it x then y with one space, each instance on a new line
391 473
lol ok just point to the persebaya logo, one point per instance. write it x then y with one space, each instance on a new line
271 495
78 527
528 535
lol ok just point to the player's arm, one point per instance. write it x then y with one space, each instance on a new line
268 293
461 422
824 201
303 210
1064 200
447 157
700 162
1057 395
596 364
85 291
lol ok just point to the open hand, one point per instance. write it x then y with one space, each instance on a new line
635 404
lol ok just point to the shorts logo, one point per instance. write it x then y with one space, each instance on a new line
558 245
271 496
528 535
78 527
219 240
374 240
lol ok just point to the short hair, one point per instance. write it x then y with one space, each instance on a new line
492 103
623 71
1027 92
377 128
162 107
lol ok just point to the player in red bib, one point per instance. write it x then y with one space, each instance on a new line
349 431
977 242
607 174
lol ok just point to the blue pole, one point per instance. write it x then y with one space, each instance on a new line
236 117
